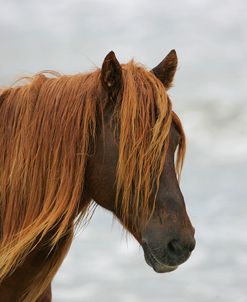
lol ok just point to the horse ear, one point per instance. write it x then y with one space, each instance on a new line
111 74
165 71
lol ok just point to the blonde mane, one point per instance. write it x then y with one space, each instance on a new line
47 129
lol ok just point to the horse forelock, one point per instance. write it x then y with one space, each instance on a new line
144 116
46 129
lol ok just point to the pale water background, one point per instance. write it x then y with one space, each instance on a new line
209 95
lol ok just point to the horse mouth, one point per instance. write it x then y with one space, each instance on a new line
155 263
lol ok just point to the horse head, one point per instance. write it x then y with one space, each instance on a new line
161 224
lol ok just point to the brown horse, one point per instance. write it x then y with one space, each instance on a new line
108 137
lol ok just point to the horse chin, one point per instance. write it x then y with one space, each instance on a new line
157 266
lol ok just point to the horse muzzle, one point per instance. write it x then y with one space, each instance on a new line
167 259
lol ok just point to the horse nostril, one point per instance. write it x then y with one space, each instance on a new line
178 248
174 247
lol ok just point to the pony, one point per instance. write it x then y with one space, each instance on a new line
107 137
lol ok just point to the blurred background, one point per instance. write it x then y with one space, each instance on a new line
209 95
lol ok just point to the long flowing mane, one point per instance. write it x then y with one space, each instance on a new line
47 131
